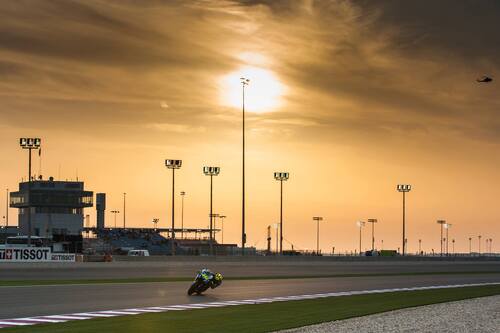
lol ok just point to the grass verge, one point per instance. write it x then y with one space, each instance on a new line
264 317
14 283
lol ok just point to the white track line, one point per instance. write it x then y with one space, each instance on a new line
183 307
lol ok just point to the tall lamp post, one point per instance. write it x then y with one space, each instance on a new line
419 247
124 198
182 213
470 245
7 208
281 177
479 244
447 226
222 217
30 144
173 164
244 83
441 223
317 219
155 223
277 226
404 188
373 221
114 212
211 171
360 224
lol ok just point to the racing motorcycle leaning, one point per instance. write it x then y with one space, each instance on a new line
205 279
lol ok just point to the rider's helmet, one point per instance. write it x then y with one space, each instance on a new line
218 277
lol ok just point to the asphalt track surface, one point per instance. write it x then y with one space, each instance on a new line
27 301
123 270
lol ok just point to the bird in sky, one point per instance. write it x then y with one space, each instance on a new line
484 79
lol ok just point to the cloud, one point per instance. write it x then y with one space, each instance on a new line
347 65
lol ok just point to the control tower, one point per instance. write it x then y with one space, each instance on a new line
56 208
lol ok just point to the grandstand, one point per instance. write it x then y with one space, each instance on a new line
120 241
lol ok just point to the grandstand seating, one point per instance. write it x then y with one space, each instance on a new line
138 239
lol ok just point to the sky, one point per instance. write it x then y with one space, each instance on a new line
350 97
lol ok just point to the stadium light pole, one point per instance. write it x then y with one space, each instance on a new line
281 177
479 244
115 212
244 83
173 164
277 226
7 208
470 245
211 171
317 219
360 224
155 222
447 226
29 144
453 246
404 188
222 217
124 199
373 221
182 213
441 223
214 217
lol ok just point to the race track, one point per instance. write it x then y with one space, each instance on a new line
60 299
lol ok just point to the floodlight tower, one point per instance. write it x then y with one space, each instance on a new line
244 83
360 224
114 212
404 188
211 171
317 219
182 213
373 221
7 208
173 164
222 217
479 244
470 245
442 223
447 226
281 177
30 144
276 226
124 198
155 222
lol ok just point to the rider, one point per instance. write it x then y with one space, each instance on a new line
214 279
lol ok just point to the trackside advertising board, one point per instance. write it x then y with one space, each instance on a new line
33 254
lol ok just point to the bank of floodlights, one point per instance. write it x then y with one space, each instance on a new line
30 143
211 171
173 164
281 176
404 188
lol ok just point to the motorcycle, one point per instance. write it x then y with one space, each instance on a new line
199 285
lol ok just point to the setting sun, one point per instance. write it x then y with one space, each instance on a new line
263 94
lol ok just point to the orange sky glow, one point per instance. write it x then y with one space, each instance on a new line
349 97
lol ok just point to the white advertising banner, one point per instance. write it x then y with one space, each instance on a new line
33 254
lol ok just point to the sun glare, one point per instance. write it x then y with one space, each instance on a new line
263 94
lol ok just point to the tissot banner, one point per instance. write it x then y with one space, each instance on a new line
33 254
